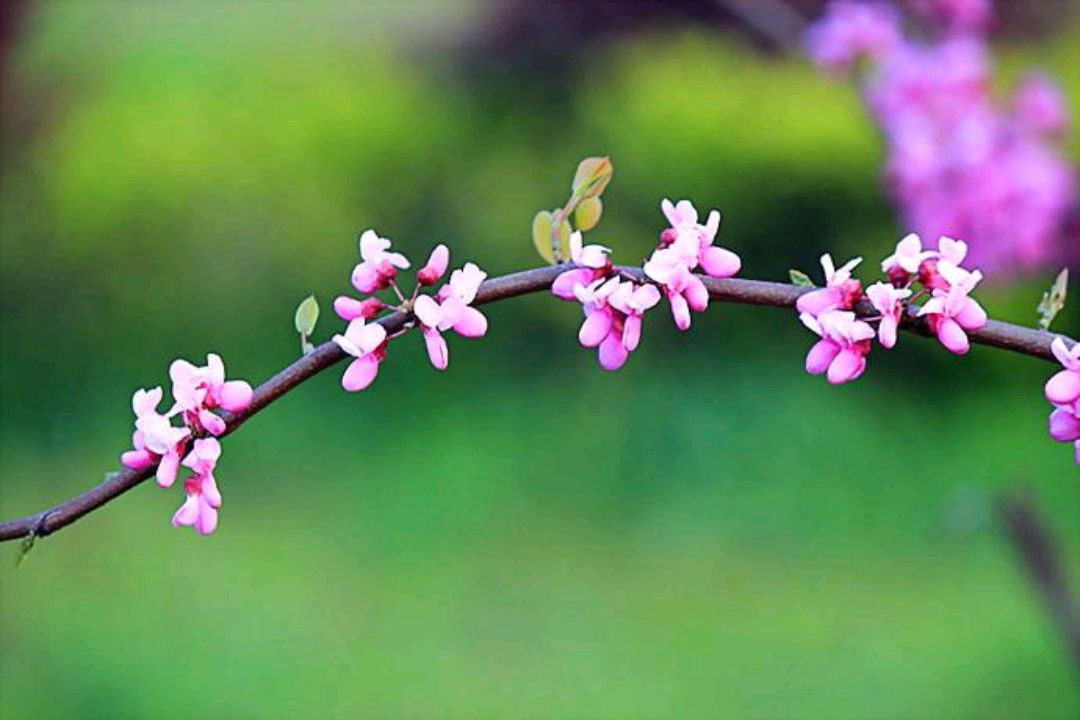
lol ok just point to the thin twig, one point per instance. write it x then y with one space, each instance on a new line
1014 338
1040 556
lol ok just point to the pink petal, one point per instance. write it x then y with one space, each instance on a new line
680 311
887 331
188 512
818 301
435 267
563 287
696 294
207 520
213 423
719 263
612 353
471 324
595 328
365 278
1064 426
215 369
360 373
952 336
847 366
210 491
236 396
348 308
167 469
427 311
437 351
971 315
137 459
821 356
1063 387
631 332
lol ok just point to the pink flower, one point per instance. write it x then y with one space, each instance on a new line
613 311
199 390
366 343
1064 387
563 287
841 292
889 301
685 292
349 308
841 352
451 310
942 270
378 267
950 312
435 267
906 260
850 31
1040 105
200 509
633 300
687 243
155 439
590 256
1064 425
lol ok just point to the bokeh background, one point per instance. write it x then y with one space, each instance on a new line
709 532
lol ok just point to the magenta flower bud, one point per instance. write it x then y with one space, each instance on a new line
435 267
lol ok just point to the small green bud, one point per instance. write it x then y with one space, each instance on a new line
592 177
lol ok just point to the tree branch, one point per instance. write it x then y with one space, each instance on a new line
1018 339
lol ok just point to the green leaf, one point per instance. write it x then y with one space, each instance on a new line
592 177
541 235
798 277
307 314
587 214
1053 300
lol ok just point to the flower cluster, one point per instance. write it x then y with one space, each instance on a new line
449 309
846 339
197 392
614 301
1063 390
957 163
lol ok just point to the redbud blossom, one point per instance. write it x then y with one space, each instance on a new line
841 292
590 256
1063 390
1064 387
155 439
451 309
889 301
349 308
199 390
684 246
200 509
845 343
613 309
850 31
366 343
435 267
378 267
906 260
1040 105
950 312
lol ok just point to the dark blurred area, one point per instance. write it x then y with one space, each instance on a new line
708 532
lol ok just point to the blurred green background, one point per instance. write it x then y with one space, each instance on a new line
709 532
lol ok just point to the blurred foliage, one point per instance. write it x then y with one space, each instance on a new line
707 532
